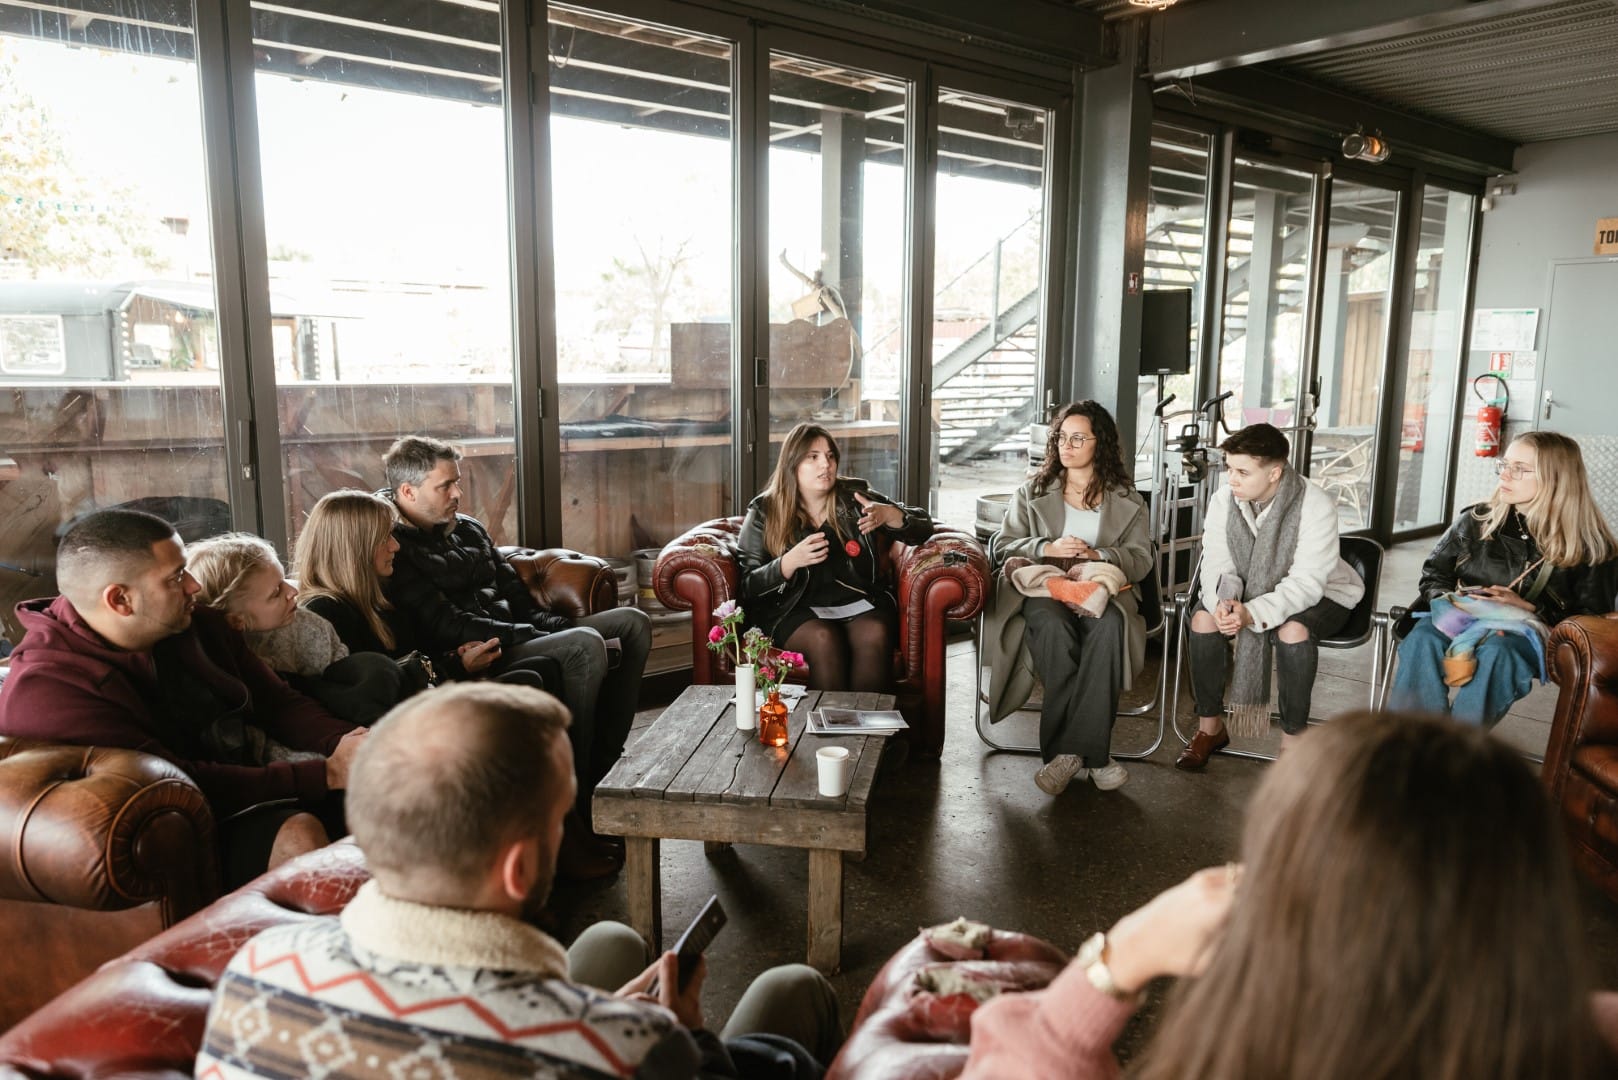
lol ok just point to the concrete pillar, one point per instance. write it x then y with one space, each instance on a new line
1114 141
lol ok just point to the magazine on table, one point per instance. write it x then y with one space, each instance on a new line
791 694
831 721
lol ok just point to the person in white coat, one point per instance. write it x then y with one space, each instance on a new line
1272 579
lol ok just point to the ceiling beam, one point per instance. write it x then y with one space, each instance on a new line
1271 98
1036 25
1196 39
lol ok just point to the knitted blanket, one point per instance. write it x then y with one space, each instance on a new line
1086 588
1467 620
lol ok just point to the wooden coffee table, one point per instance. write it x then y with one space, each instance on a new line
693 776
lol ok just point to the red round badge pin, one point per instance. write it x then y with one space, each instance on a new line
852 547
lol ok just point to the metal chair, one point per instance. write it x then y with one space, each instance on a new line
1157 614
1364 624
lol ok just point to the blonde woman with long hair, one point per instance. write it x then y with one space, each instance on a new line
343 555
1539 544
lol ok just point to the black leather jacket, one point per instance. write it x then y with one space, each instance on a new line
1464 559
767 594
457 588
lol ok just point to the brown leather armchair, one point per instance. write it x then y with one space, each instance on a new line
101 848
1581 759
946 577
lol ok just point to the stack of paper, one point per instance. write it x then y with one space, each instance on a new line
830 721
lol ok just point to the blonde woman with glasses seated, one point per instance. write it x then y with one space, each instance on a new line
1538 544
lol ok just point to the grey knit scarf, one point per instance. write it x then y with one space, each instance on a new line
1262 560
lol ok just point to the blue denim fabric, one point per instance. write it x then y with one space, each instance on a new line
1505 674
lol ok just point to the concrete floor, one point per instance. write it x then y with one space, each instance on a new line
973 836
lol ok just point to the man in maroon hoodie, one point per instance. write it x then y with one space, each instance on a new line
123 657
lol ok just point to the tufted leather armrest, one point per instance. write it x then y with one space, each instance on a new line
905 1035
103 829
565 582
1581 757
1584 661
144 1013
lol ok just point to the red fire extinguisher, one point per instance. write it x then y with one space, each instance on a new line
1491 415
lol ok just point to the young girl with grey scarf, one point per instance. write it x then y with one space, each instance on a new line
1272 582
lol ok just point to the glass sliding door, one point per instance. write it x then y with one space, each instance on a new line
988 296
1266 293
1432 358
641 174
385 215
1176 252
838 183
110 388
1361 235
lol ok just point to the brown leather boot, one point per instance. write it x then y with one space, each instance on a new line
1202 747
580 858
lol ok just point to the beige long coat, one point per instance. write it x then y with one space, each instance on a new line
1124 539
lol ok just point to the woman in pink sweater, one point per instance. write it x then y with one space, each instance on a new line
1405 908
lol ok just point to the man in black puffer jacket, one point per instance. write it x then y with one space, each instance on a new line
449 578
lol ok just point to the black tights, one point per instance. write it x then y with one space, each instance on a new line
852 655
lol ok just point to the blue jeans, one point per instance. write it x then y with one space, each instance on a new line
1505 674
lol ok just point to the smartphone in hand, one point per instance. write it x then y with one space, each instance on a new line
695 941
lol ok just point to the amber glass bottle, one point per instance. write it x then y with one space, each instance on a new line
772 720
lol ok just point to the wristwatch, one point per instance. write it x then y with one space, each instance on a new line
1096 970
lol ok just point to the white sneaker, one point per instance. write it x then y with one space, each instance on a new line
1054 778
1109 776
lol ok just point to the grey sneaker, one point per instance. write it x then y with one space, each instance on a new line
1054 778
1109 776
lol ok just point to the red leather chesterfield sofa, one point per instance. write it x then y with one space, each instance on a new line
1581 759
101 848
144 1013
946 577
899 1034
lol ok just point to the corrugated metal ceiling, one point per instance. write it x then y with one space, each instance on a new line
1549 73
1545 74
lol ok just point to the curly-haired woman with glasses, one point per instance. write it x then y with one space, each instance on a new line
1539 544
1080 506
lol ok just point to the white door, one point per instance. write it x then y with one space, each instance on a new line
1578 393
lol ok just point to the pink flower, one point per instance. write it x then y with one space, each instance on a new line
726 610
716 635
792 658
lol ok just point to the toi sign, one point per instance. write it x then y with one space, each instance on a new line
1607 236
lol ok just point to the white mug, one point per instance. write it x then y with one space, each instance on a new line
836 769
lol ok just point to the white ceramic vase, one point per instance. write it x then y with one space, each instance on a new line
746 698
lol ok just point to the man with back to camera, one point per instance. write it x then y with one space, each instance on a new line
451 577
123 657
457 801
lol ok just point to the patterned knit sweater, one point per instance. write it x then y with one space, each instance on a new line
393 988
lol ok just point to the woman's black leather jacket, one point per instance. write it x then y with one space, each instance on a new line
1463 558
767 594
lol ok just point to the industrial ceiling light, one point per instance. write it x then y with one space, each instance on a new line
1155 5
1359 146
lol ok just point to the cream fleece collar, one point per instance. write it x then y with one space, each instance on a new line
449 937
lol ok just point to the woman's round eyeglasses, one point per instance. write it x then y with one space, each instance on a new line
1073 442
1512 469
